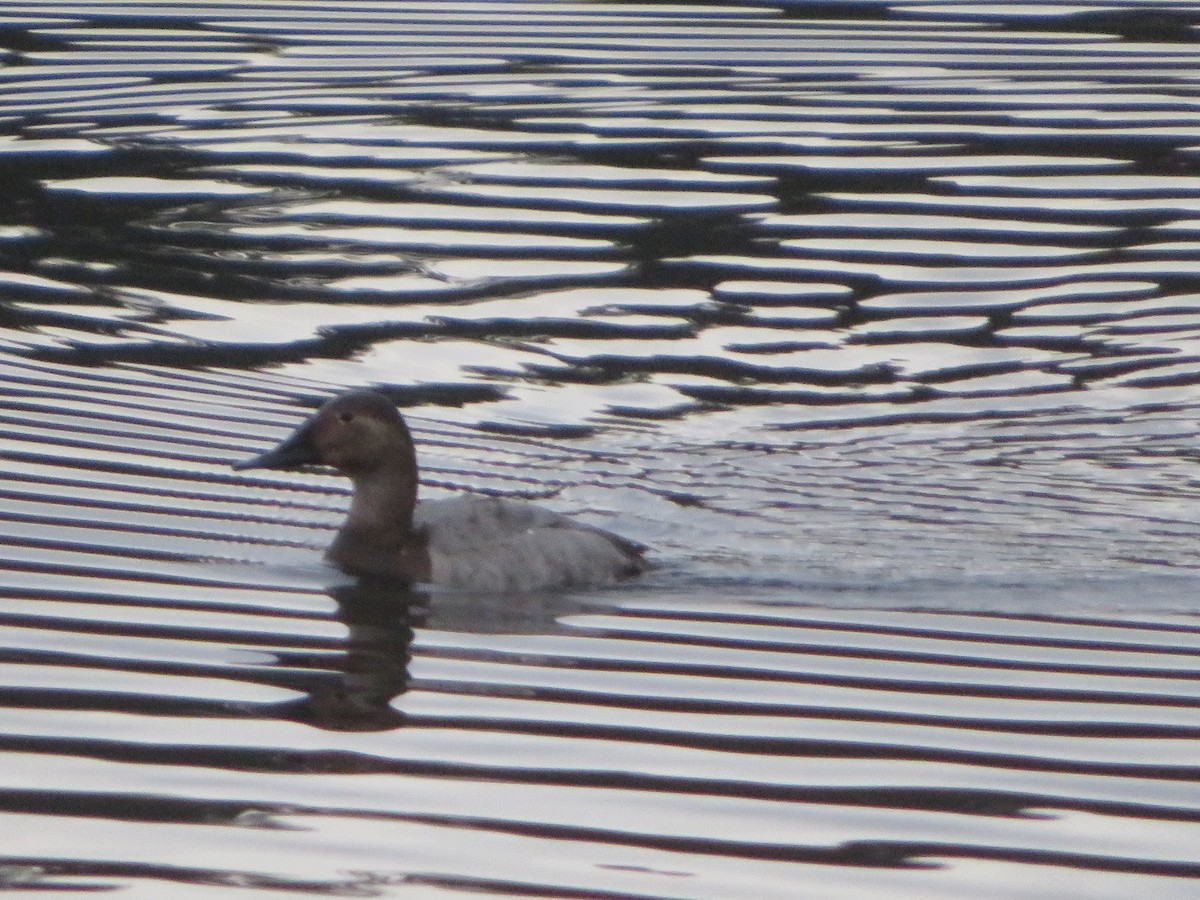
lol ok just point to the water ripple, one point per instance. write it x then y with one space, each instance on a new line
877 323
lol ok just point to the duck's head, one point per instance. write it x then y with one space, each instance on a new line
356 433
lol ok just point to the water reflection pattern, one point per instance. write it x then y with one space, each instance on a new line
878 322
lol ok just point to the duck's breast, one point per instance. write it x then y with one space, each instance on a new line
488 544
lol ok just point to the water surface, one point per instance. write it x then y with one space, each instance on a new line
879 323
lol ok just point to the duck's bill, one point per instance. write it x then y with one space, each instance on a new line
295 451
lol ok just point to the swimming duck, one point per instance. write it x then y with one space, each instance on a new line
472 543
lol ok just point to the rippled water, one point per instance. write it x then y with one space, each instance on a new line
879 323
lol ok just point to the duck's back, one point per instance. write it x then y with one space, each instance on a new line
488 544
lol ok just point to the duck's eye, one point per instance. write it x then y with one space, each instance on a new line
347 417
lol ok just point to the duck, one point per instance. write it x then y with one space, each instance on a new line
467 542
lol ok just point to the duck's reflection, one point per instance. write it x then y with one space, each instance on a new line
353 690
356 693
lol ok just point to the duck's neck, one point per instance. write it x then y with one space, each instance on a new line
378 537
384 499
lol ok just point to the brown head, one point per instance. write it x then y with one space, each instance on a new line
363 436
358 433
